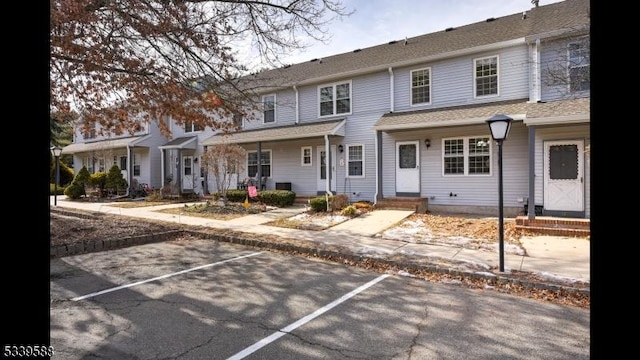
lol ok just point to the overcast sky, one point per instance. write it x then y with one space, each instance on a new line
376 22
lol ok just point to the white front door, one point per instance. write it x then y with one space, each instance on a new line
407 167
187 173
322 169
564 175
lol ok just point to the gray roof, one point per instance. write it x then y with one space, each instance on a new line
574 110
308 130
188 142
569 15
106 144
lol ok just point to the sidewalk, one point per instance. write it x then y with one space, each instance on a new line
552 256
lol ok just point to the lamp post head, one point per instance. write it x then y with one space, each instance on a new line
499 126
56 151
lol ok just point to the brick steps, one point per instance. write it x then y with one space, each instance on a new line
555 226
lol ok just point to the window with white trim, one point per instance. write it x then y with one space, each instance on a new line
466 156
486 76
191 127
265 163
355 160
579 67
305 156
421 86
136 165
88 163
123 163
101 164
269 108
89 132
335 99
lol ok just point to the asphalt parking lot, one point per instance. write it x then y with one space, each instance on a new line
201 299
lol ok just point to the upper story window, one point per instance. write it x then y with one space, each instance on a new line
421 86
191 127
89 132
486 76
237 120
579 67
355 160
335 99
265 162
269 109
467 156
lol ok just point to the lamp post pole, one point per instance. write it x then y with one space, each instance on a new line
500 208
499 126
56 150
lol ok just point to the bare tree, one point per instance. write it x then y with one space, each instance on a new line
119 63
224 160
568 71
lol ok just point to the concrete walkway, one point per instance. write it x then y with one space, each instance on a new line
558 257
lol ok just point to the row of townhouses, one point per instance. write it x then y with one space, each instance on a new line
406 119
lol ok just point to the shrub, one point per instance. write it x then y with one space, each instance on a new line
98 180
318 203
52 189
280 198
114 180
339 202
349 211
74 191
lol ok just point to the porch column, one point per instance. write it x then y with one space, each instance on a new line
379 194
531 202
259 172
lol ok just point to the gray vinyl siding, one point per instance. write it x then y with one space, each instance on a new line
452 80
370 101
285 112
574 132
553 63
480 190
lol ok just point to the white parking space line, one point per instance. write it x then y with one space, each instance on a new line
162 277
273 337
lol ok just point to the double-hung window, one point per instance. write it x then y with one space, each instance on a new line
335 99
89 132
269 109
306 156
421 86
467 156
486 76
265 163
579 67
136 165
191 127
355 160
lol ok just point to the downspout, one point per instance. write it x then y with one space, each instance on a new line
205 187
162 176
391 89
535 91
295 88
129 171
378 149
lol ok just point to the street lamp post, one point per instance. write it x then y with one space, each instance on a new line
499 126
56 151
